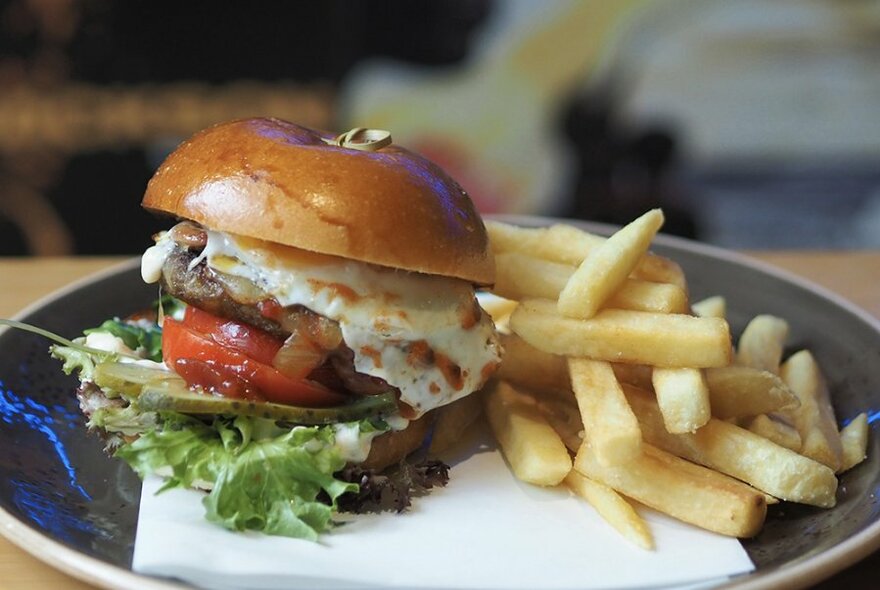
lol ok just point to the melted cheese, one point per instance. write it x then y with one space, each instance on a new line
382 312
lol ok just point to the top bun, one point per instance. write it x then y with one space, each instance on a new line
276 181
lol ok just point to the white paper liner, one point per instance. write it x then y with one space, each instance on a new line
485 530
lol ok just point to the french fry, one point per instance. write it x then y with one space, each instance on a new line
534 369
638 375
663 340
535 452
682 490
683 398
606 268
520 276
568 245
565 418
641 386
498 308
609 423
739 453
710 307
736 392
613 508
639 295
761 343
558 243
814 418
854 439
774 429
658 269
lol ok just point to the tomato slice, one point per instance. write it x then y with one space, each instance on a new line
253 342
179 341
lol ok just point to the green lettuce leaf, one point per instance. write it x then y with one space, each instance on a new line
278 485
144 337
128 420
75 360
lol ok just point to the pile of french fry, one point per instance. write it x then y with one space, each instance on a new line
614 385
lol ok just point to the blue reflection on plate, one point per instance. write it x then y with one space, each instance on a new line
15 410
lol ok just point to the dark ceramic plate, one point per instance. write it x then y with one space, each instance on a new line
62 499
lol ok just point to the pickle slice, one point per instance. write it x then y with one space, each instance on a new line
129 379
158 390
175 396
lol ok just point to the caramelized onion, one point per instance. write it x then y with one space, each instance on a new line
240 289
324 332
189 236
297 357
312 338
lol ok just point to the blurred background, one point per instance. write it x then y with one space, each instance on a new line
755 124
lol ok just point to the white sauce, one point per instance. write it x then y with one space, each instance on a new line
109 343
381 311
154 258
352 444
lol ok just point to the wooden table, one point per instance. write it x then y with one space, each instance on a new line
856 276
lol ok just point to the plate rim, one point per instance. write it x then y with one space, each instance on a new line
787 576
54 553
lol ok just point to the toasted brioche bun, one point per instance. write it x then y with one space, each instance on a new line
449 424
392 447
276 181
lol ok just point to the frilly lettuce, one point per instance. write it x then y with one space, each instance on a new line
281 485
263 475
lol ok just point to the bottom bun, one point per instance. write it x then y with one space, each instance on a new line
392 447
446 425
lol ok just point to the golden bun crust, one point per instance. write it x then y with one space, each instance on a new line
449 422
391 447
276 181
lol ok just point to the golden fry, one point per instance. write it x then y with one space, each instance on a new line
534 369
710 307
736 392
683 398
535 452
638 375
776 430
854 439
609 423
498 308
568 245
612 507
814 418
682 490
565 418
605 268
761 343
663 340
520 276
739 453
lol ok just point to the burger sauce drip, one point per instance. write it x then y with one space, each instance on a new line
338 289
421 355
469 314
451 372
375 355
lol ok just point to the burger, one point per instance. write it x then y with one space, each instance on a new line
317 325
